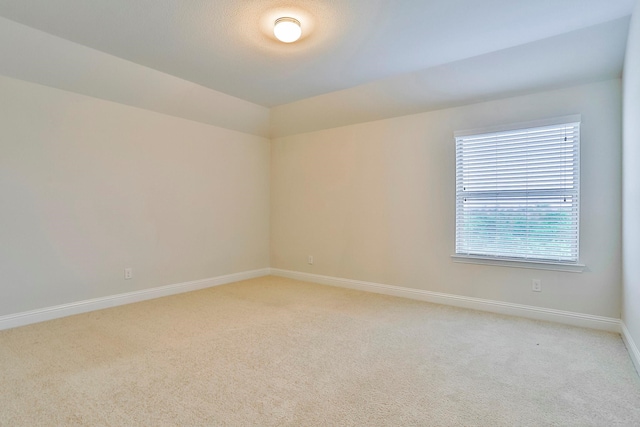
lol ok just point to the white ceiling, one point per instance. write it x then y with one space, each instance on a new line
227 46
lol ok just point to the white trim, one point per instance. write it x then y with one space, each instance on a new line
632 348
574 118
535 265
55 312
539 313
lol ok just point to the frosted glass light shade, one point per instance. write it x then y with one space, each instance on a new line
287 30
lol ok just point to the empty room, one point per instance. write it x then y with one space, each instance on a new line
319 212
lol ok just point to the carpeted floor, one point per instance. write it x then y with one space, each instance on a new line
274 351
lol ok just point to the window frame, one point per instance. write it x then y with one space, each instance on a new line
520 262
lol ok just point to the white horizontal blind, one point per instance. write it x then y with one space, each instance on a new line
517 194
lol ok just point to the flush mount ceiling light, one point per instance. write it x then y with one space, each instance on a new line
287 30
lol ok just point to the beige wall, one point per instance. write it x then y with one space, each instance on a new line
89 187
375 202
631 181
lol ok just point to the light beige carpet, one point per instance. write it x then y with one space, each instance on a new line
275 351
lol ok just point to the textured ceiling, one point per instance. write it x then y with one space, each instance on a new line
227 45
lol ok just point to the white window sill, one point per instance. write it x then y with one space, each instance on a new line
536 265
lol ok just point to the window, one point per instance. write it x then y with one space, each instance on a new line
517 192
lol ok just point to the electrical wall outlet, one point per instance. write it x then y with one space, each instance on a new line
128 273
536 285
310 260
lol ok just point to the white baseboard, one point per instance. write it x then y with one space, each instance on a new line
49 313
632 348
539 313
